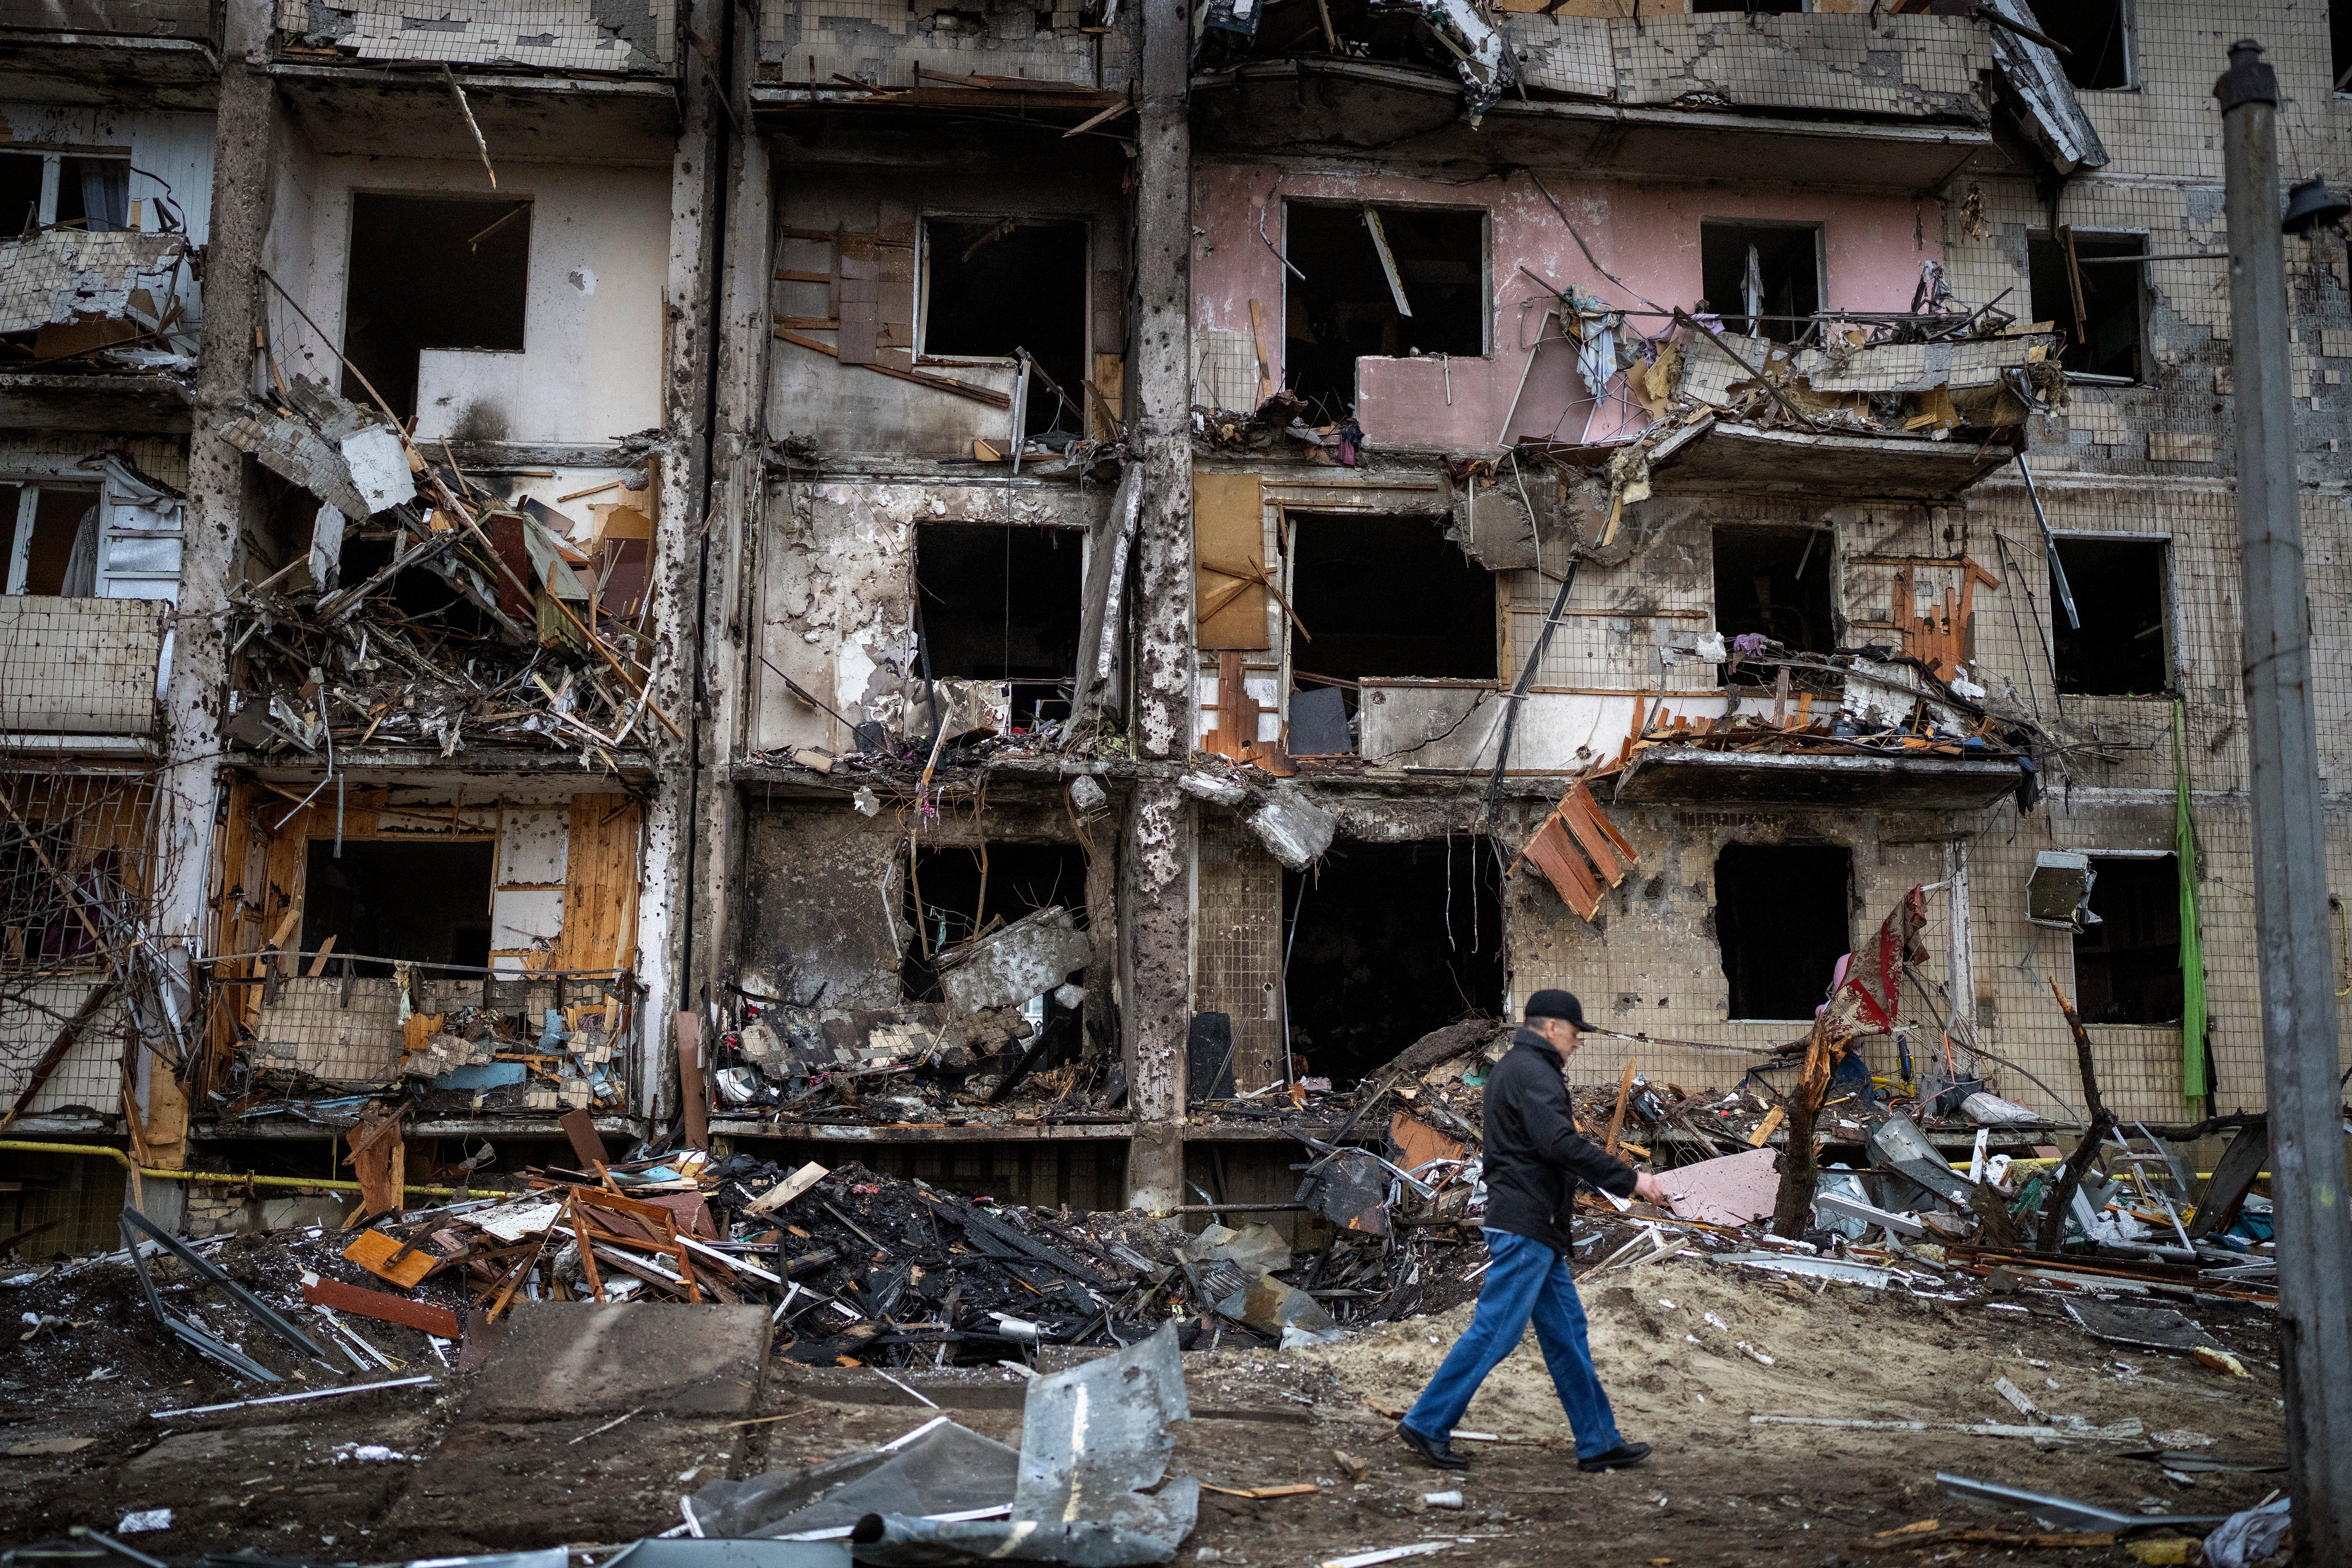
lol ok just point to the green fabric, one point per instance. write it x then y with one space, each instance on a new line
2193 1069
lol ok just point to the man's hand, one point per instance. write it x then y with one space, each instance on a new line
1648 1188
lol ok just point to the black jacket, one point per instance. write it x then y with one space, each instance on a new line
1535 1156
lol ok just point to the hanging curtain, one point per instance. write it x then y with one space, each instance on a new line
81 563
106 194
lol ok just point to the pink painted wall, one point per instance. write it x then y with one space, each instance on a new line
1646 235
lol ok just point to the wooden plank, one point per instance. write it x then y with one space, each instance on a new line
599 875
382 1307
1229 523
1607 828
374 1251
989 396
1617 1117
1579 815
1557 858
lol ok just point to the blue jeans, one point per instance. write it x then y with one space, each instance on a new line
1525 1280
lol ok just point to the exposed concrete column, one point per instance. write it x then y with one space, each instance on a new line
243 143
1160 824
697 167
737 296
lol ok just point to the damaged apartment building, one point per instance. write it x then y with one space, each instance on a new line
1029 595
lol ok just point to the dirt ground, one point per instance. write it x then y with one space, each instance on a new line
385 1475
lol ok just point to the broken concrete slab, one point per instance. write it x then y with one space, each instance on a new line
1035 954
1293 829
557 1360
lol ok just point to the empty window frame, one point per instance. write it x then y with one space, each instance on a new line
1776 581
995 285
1763 280
2339 46
1754 7
430 273
2103 325
1002 602
65 190
2121 590
2127 961
2099 38
415 903
1378 282
1781 916
54 540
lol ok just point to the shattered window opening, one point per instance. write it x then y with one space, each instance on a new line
54 541
64 190
1392 941
419 903
1776 581
2127 963
2097 36
1763 280
992 285
951 897
2339 43
2105 340
1002 602
1346 306
2124 647
1782 916
1387 596
430 273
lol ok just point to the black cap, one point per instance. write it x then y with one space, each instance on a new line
1556 1005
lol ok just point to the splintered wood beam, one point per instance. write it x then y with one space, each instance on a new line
921 378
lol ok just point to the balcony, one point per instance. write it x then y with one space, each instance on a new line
1848 99
163 54
97 332
79 674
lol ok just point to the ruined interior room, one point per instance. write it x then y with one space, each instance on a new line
1762 279
1783 917
2123 646
49 552
954 893
421 903
430 273
1002 602
2104 324
1387 941
1385 281
2128 960
1382 595
1775 583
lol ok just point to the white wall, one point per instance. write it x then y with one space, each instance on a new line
174 149
590 369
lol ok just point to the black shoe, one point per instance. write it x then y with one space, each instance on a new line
1623 1456
1436 1450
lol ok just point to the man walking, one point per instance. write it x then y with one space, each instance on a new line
1534 1159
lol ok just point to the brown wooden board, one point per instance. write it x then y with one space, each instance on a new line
1229 524
374 1251
1564 868
377 1304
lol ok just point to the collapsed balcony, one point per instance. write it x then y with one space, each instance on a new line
97 325
398 950
427 613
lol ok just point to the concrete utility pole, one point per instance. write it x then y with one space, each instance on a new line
1157 863
2311 1219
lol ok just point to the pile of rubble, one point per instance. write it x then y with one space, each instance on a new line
486 622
